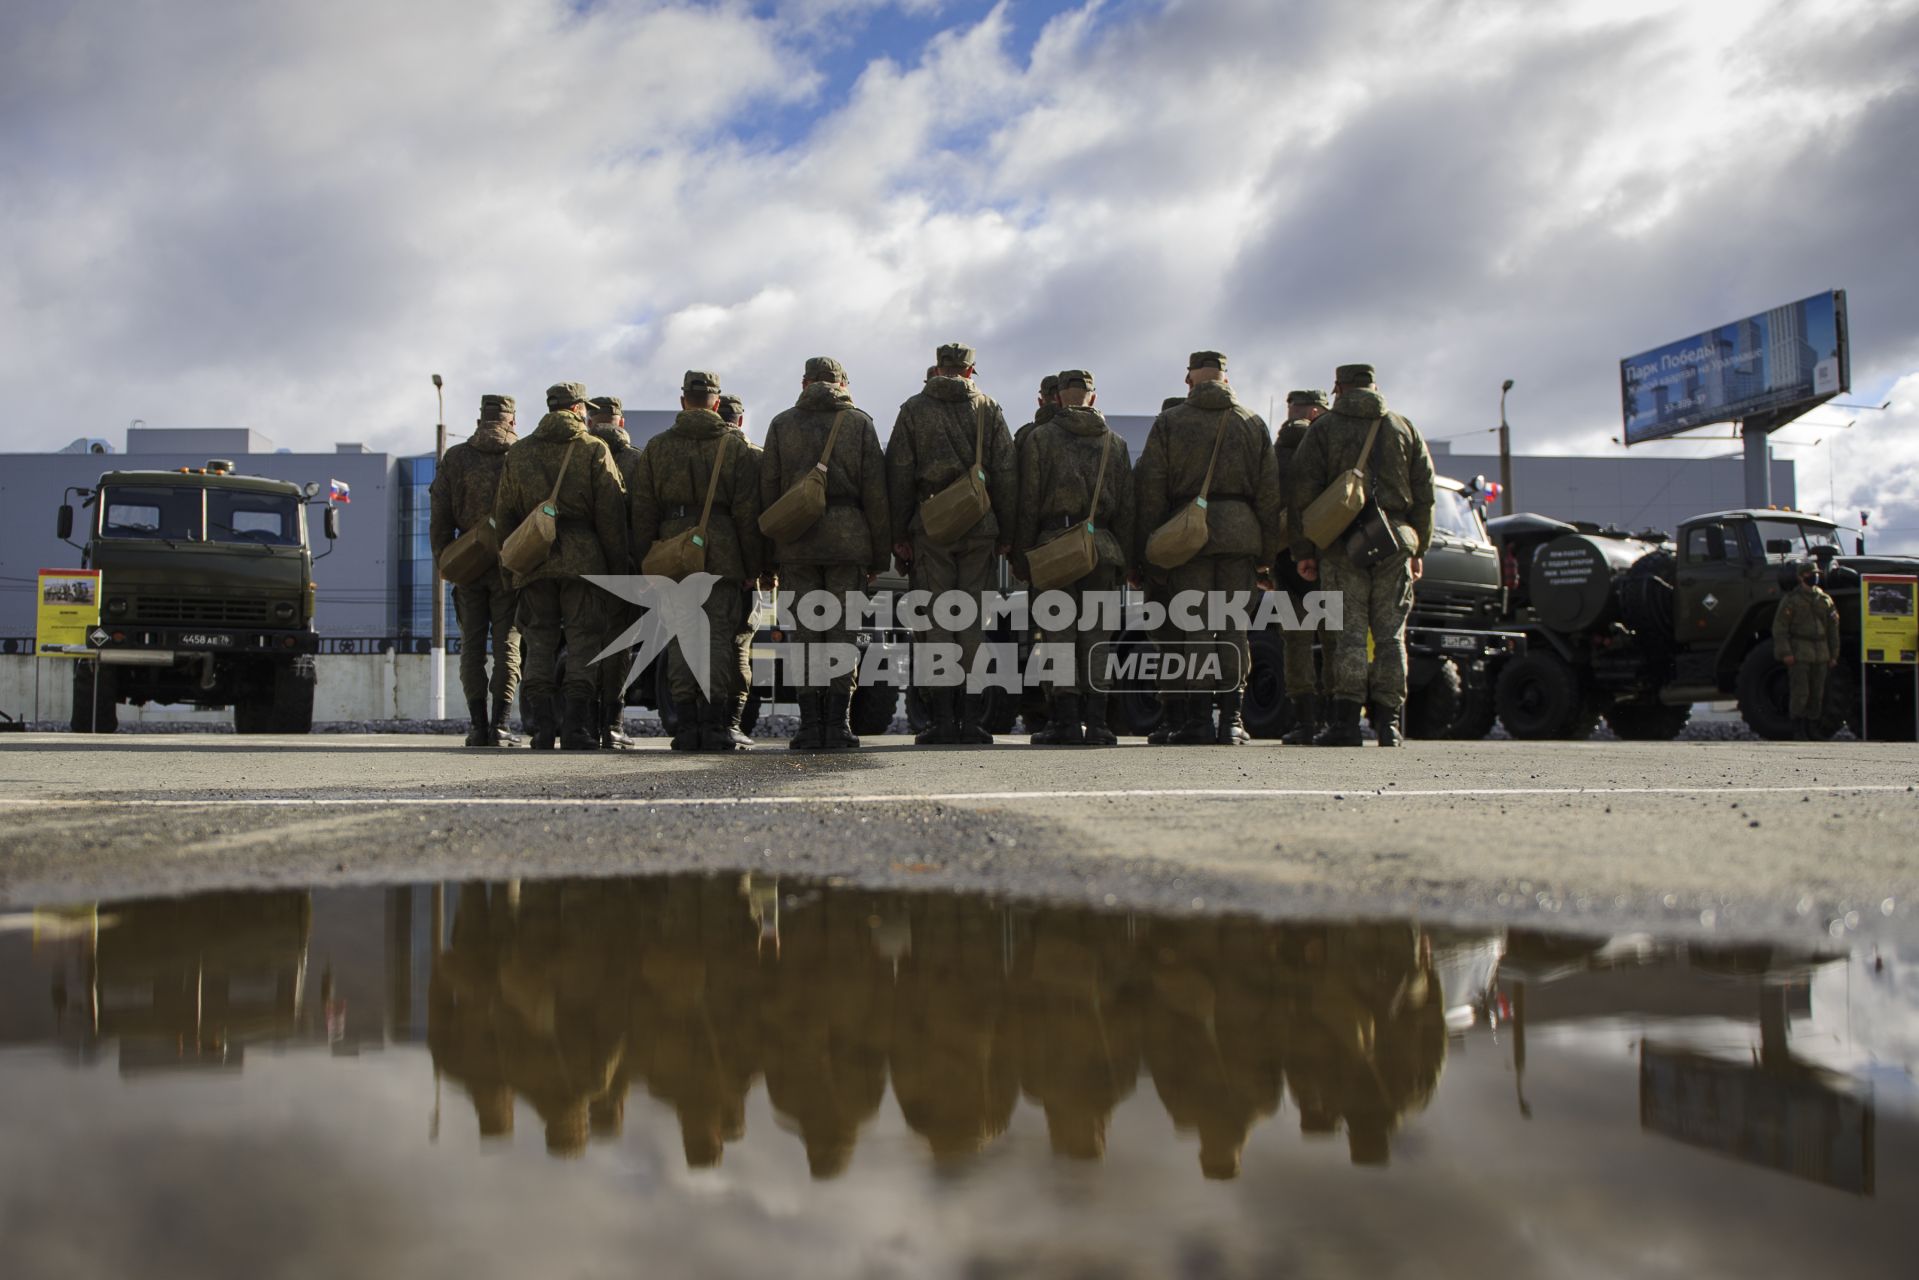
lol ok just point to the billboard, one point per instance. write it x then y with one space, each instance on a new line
1778 364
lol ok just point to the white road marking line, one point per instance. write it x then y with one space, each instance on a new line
937 797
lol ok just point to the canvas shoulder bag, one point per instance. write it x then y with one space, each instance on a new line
684 553
528 546
1327 516
1373 537
802 505
472 555
949 514
1185 535
1065 559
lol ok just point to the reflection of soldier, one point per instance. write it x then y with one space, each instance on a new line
1078 1032
1805 636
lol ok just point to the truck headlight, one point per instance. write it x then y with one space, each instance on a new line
284 611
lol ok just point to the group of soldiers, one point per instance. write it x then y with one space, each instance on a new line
1066 466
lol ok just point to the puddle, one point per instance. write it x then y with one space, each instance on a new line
725 1076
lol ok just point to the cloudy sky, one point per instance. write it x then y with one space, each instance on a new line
287 216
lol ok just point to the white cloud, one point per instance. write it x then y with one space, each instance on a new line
289 216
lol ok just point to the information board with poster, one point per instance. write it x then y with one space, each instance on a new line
1889 623
67 609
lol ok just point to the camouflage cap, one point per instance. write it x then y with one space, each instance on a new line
1171 402
1354 375
562 394
731 407
1206 360
825 369
1806 568
1082 378
605 407
496 408
1307 397
954 355
1049 384
700 380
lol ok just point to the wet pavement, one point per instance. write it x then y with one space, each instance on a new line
739 1075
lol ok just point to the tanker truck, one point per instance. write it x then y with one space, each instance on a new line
1636 627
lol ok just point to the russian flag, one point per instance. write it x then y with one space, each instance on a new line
341 492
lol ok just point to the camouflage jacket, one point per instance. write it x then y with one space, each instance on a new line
932 445
592 503
1058 467
1043 414
669 487
1806 626
1399 473
1243 506
1286 454
465 483
855 528
626 459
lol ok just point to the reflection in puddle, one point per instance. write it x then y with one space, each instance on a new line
560 1004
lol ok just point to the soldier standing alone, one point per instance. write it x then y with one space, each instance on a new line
606 419
849 543
1303 682
460 499
555 596
1805 636
1399 478
934 444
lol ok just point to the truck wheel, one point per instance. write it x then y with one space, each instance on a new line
1266 709
999 711
91 679
1433 708
1764 687
1539 697
1477 714
873 708
1135 713
293 697
1646 721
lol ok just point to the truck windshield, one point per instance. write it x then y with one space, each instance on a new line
150 511
1802 538
1454 515
268 519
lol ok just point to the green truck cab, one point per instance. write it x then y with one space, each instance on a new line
206 596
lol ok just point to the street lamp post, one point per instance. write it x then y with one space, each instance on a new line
436 662
1505 454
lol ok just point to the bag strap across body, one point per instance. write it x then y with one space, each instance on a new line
712 486
553 498
832 433
1206 485
979 435
1099 479
1366 451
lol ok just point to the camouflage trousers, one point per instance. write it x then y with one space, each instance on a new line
1082 638
1808 687
552 608
729 647
485 611
966 565
1376 600
1303 674
836 580
1226 575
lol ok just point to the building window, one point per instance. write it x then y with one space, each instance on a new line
413 599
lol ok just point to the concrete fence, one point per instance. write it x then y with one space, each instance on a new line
350 687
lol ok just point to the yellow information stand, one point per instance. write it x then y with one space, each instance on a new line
1888 631
67 612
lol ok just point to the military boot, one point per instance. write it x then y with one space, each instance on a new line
942 705
809 736
1385 725
1048 733
1097 734
1232 729
687 736
1306 722
1172 716
545 729
970 723
837 732
736 721
1342 726
715 733
497 734
477 735
1197 730
1069 729
613 735
576 729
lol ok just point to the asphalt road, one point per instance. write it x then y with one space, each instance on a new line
1782 840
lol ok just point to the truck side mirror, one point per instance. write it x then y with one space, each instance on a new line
1778 546
331 523
63 527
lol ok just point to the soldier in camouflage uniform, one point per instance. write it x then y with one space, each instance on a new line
1242 517
606 419
1805 636
461 499
555 597
932 445
669 489
1059 466
1303 681
849 543
1400 480
1043 411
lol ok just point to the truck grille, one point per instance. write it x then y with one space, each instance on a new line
179 609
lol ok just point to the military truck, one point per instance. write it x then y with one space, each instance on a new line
206 596
1637 628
